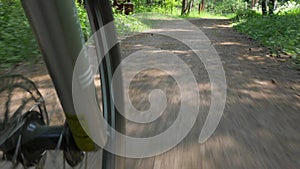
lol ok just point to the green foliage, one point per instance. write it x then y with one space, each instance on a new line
127 24
169 5
159 6
214 8
280 32
226 6
17 42
84 21
204 14
243 14
288 7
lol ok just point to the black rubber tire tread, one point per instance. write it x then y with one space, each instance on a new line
100 13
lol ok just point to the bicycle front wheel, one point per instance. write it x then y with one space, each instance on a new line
100 15
55 24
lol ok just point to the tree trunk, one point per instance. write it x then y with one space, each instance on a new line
184 7
190 5
201 6
264 7
172 6
271 7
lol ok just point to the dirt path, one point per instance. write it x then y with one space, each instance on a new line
260 125
261 118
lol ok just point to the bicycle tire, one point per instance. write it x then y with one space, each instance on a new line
101 14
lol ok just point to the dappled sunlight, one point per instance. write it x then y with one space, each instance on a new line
258 83
260 89
257 59
221 142
204 87
177 30
251 148
138 46
205 94
55 111
238 150
231 149
260 123
40 78
250 117
224 26
182 51
259 94
39 75
217 26
230 43
253 90
254 58
13 100
209 27
297 86
139 90
241 58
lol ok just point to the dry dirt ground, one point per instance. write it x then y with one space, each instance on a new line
259 128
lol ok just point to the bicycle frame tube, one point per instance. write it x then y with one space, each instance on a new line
42 138
58 32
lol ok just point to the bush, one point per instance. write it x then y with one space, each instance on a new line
226 6
17 41
127 24
243 14
287 7
84 21
279 32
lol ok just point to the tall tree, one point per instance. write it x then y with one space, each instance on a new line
264 7
190 5
271 7
186 6
201 6
265 4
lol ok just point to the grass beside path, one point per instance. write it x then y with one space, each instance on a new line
280 32
141 21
